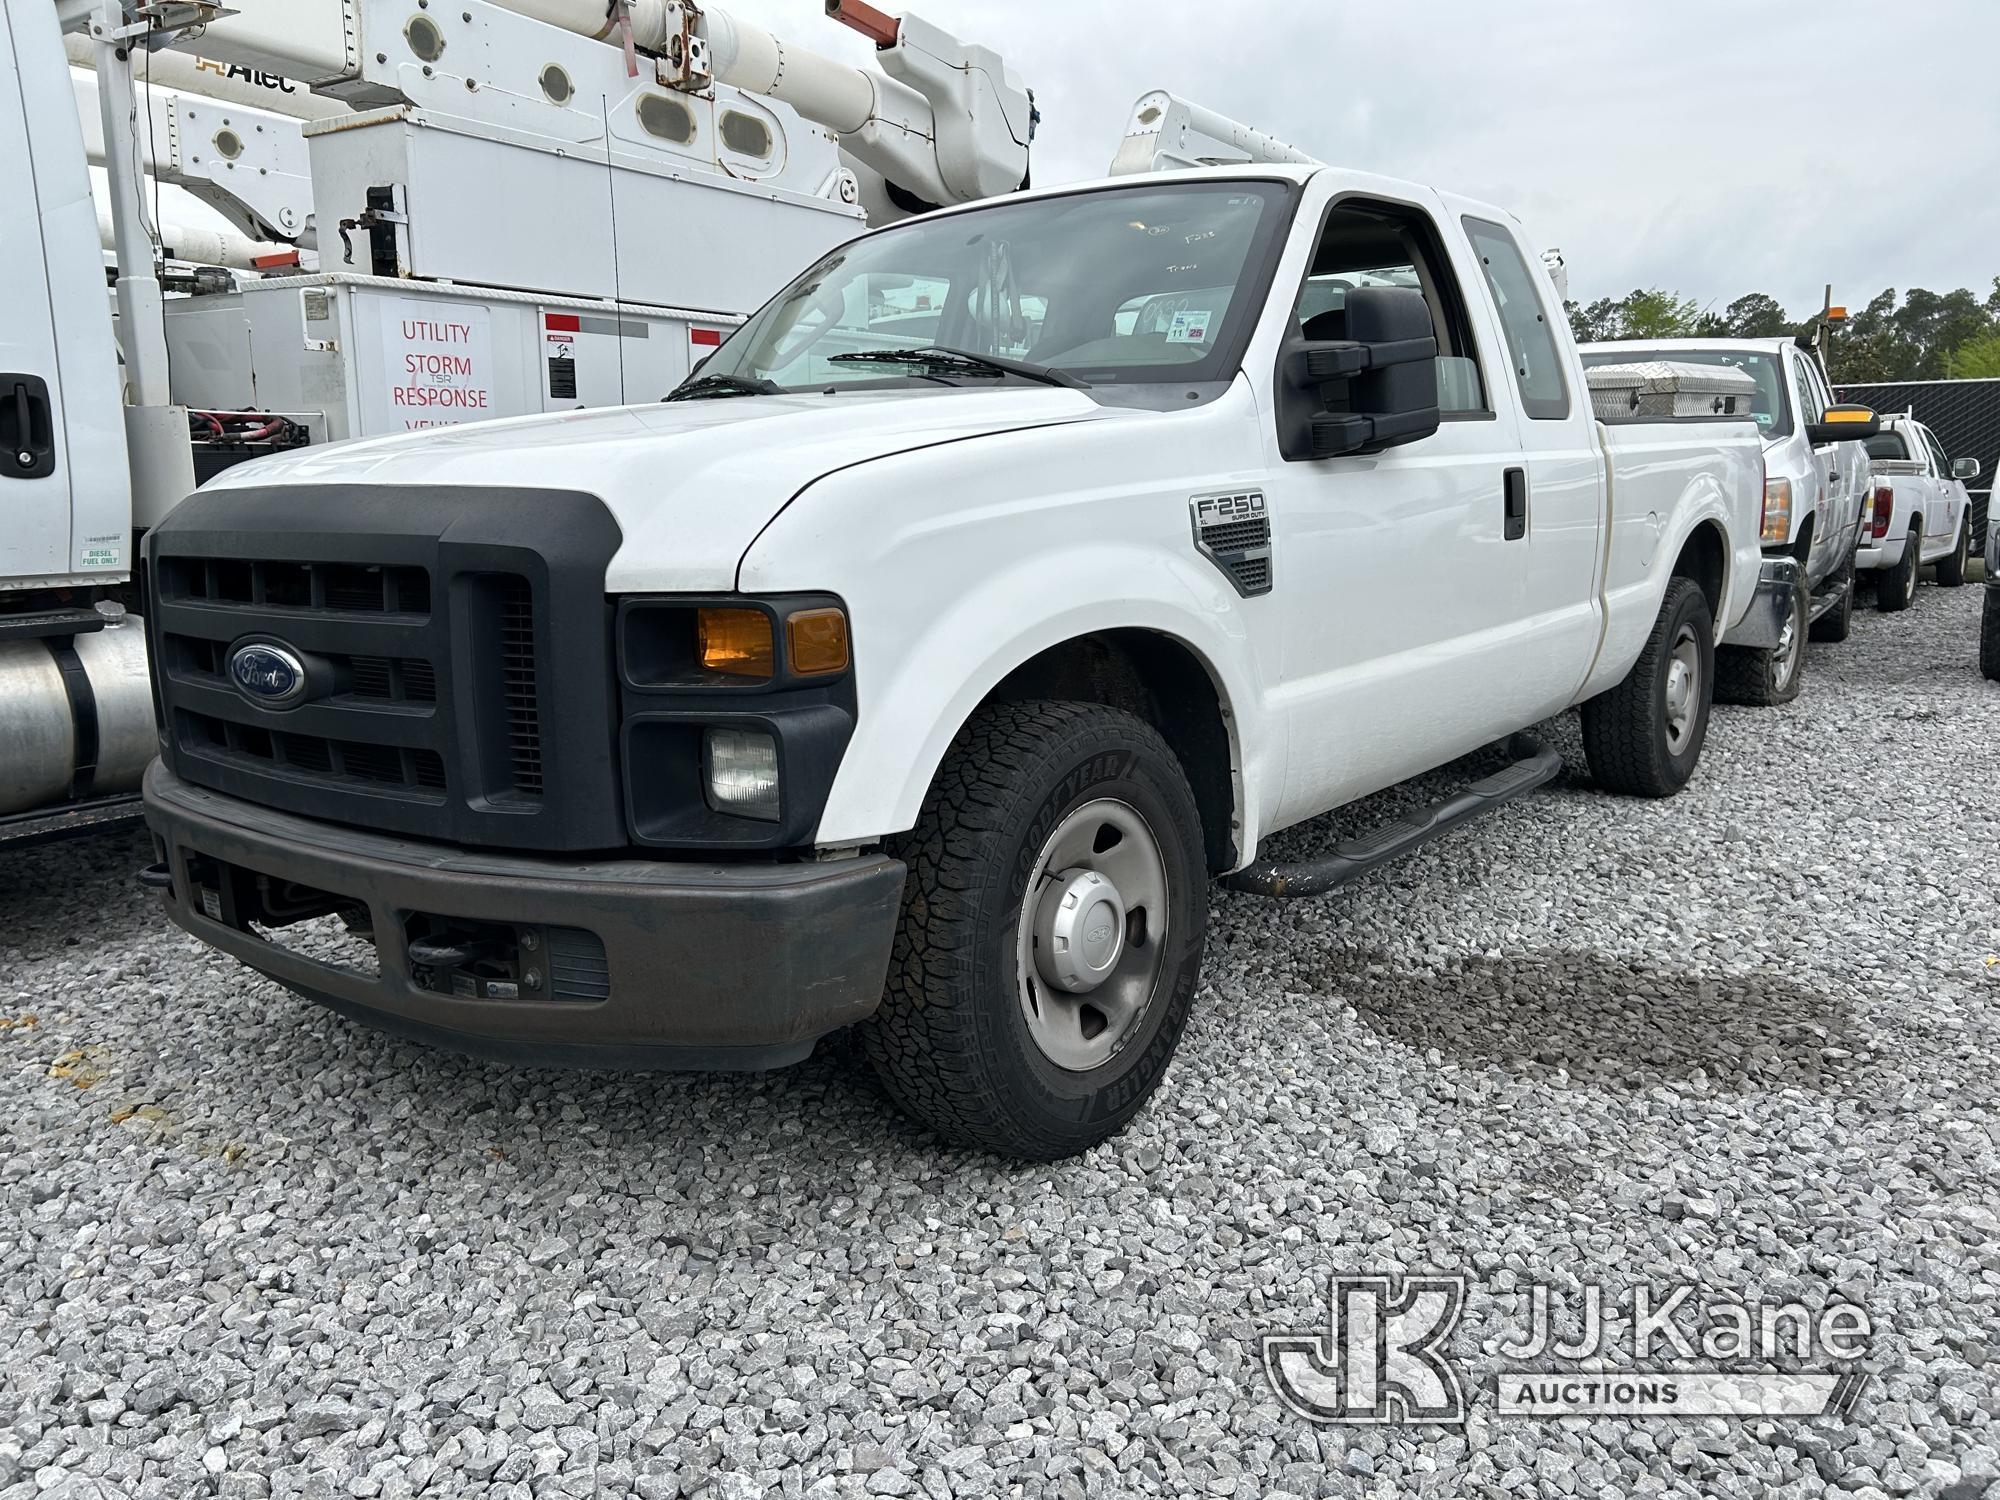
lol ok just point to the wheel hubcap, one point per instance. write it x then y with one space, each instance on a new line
1683 689
1079 931
1092 934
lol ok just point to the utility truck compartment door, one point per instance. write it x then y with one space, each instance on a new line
34 489
64 492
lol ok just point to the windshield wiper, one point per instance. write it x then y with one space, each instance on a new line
704 386
937 355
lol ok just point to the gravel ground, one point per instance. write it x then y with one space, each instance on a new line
1744 1039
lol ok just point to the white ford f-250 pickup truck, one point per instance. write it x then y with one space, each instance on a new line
927 687
1816 487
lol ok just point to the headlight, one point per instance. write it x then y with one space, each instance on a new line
735 642
740 772
735 713
1777 510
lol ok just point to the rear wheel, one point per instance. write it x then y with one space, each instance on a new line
1896 588
1989 634
1760 677
1645 735
1051 934
1951 567
1833 626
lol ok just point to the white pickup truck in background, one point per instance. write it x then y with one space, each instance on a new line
1919 513
1816 486
925 688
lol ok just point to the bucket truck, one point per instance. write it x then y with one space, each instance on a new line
517 207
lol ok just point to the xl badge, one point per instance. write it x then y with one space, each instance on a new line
269 675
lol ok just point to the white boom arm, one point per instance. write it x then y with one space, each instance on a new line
246 163
1167 133
948 124
225 83
944 121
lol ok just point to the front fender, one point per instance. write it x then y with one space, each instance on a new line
916 692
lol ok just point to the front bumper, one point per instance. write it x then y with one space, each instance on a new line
701 965
1762 626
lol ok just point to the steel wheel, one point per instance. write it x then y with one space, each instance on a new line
1788 653
1092 934
1683 689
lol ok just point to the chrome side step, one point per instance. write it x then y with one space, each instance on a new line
1534 765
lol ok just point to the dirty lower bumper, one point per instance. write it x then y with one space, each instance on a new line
1764 624
1887 553
618 963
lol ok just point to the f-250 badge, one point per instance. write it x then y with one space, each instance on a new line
1233 531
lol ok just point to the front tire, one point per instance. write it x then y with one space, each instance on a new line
1989 633
1951 567
1644 736
1052 930
1832 627
1896 589
1760 677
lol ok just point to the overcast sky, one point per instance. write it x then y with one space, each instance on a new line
1713 147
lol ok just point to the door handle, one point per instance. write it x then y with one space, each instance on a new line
27 428
1515 512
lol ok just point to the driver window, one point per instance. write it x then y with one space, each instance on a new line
1812 404
1368 244
1938 460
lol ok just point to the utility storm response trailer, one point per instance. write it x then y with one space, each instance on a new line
434 216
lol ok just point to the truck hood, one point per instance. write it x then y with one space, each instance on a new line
691 483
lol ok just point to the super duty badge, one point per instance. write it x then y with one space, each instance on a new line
1233 531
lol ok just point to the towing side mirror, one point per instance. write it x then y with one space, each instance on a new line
1965 468
1843 423
1374 389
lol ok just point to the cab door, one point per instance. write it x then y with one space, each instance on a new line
1414 635
1946 498
1841 473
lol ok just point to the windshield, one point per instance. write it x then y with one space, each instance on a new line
1109 286
1773 412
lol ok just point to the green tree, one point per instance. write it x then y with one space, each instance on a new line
1977 359
1757 316
1595 323
1654 314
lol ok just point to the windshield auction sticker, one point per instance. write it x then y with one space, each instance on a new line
1384 1355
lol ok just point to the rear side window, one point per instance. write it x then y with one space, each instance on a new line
1530 342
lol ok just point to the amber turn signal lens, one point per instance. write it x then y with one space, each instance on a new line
817 641
735 641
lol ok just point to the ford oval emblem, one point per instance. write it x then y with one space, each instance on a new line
268 674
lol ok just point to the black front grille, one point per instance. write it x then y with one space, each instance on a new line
270 583
315 756
431 622
517 676
391 679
